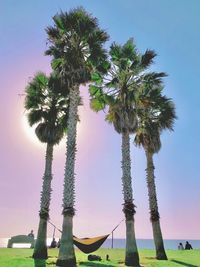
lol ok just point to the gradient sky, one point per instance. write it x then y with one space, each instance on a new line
172 29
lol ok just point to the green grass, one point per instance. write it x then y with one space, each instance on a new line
22 258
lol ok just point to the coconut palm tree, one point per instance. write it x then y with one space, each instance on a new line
75 42
117 89
47 109
155 114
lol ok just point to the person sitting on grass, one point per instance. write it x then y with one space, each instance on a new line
53 243
188 246
180 246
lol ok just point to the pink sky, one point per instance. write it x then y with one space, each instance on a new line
98 183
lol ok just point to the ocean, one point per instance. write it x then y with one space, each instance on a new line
120 243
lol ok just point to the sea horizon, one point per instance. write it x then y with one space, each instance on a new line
142 243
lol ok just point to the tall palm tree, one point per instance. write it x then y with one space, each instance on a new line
126 73
76 46
47 109
156 113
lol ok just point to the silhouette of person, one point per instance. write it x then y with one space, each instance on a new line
188 246
53 243
31 234
58 244
180 246
107 257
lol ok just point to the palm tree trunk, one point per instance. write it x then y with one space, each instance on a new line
66 255
153 206
132 256
39 263
40 250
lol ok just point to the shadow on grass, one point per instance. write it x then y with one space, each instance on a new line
150 258
184 263
95 264
52 263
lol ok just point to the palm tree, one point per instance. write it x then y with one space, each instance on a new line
156 113
47 109
125 74
125 122
76 46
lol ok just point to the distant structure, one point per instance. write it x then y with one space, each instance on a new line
21 239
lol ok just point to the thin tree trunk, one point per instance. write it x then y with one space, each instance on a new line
40 250
66 255
153 206
132 256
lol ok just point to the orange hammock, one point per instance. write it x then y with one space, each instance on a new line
89 245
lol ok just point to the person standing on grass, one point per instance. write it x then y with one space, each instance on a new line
31 234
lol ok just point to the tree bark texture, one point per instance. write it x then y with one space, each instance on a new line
66 253
153 206
40 250
132 256
66 257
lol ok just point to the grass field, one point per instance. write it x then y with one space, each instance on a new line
22 258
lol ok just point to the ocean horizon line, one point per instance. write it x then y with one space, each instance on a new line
139 238
142 243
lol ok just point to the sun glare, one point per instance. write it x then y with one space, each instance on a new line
31 135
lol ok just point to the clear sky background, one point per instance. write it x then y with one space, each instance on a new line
172 29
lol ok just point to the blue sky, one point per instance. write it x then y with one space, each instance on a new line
171 28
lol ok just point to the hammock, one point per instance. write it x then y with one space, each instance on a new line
88 245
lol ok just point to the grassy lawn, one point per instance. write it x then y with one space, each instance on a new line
22 258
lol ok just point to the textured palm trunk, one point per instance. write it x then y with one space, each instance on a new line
153 206
132 256
40 250
39 263
66 255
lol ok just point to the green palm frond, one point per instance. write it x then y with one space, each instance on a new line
129 50
35 91
153 78
168 114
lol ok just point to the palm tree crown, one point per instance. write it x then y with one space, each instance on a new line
47 108
76 45
156 113
126 73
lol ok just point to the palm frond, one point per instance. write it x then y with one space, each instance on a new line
147 58
34 116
